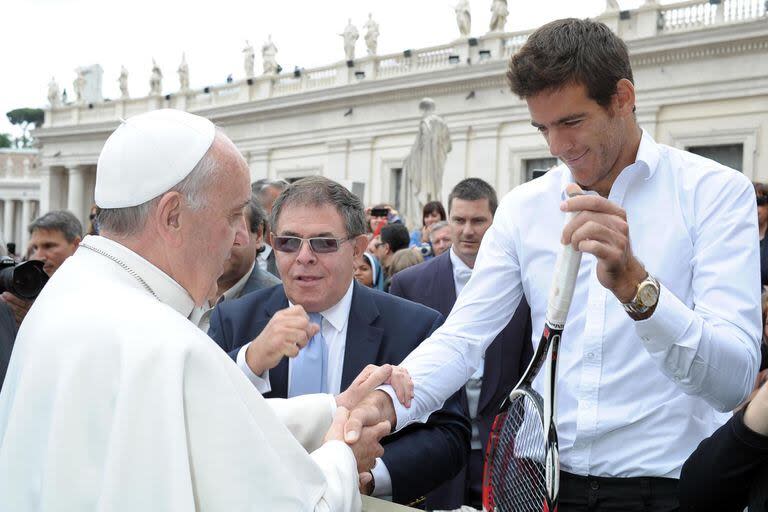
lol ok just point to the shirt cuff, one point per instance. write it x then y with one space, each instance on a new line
260 381
382 480
403 415
666 325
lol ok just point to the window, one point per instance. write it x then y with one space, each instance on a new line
535 167
396 187
730 155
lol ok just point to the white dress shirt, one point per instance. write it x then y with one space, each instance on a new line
335 322
261 258
634 398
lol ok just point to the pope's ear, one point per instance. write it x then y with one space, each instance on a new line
167 216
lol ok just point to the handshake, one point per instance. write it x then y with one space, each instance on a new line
364 416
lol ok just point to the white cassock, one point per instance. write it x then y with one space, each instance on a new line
114 401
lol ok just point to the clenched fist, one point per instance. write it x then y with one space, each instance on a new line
286 333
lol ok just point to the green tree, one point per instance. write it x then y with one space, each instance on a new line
5 140
26 118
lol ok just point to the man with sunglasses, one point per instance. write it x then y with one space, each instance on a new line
319 329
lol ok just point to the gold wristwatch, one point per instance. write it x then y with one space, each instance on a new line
645 299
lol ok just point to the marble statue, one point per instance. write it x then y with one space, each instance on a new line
248 56
155 80
463 17
53 93
371 34
350 35
123 82
423 167
78 86
183 74
499 13
269 57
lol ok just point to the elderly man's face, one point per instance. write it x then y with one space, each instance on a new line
51 247
217 226
316 281
441 240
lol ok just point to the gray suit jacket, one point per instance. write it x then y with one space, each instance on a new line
259 280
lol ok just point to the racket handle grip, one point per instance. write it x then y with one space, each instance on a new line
563 283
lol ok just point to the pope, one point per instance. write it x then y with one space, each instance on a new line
115 401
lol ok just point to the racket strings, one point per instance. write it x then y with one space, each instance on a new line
517 469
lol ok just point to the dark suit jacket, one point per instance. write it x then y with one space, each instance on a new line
258 280
272 264
431 283
381 329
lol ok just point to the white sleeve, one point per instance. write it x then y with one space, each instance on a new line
308 417
713 350
337 462
447 359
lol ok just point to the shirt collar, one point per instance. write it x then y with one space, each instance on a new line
265 253
645 164
458 264
167 290
338 314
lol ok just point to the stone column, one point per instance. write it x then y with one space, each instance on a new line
8 220
76 191
26 218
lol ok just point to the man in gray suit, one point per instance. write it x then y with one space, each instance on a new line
241 274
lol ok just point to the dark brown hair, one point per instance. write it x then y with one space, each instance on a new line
570 51
433 207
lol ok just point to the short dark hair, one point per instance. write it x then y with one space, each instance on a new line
255 214
59 220
433 207
396 236
570 51
472 189
319 191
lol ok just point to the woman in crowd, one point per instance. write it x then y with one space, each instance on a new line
368 272
432 212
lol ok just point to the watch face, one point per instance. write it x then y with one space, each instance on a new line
648 294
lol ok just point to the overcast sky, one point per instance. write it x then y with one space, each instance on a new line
45 38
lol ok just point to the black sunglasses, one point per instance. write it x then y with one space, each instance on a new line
319 245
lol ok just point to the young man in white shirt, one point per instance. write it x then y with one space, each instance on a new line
640 383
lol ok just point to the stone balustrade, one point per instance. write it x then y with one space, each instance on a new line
648 20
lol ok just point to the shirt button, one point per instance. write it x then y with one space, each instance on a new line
590 355
594 485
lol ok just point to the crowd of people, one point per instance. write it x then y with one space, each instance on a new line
216 344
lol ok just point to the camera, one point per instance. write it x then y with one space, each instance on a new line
24 280
379 212
425 249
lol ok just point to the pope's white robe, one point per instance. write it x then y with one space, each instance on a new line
114 401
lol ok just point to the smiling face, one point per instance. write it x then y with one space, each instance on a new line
596 143
316 281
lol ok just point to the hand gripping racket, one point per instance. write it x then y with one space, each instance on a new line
522 466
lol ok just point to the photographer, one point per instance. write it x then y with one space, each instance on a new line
54 237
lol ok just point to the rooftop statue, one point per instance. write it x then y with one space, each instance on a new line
183 73
248 56
350 35
463 17
371 34
53 93
499 13
122 81
269 57
155 80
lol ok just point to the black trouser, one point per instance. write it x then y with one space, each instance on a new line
602 494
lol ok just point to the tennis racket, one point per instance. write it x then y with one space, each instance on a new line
522 466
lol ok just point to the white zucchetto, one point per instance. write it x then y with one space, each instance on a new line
148 155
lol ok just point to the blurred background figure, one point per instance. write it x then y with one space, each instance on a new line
93 221
392 238
433 212
761 192
440 237
266 191
403 259
368 272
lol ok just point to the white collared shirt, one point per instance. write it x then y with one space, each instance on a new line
201 316
634 398
261 258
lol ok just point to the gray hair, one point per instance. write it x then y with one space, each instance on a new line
131 220
59 220
320 191
437 226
